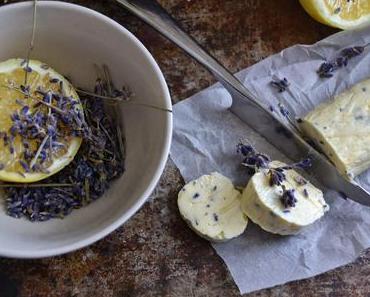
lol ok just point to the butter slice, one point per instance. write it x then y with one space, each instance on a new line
211 207
341 129
262 203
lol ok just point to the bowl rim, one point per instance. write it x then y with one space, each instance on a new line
32 254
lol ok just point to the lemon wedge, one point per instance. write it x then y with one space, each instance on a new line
343 14
34 142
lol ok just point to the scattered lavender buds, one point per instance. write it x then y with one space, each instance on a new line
280 84
98 162
283 110
327 68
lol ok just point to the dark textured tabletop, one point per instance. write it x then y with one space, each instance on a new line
155 254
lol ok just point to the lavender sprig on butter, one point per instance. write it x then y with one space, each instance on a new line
286 208
211 207
277 198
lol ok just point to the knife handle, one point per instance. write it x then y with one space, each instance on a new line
151 12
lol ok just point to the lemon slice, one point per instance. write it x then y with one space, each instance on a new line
34 143
343 14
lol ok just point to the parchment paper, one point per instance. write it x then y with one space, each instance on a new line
205 138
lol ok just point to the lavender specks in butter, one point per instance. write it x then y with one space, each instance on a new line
305 193
196 195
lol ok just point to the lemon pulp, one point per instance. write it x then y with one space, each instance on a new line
19 157
344 14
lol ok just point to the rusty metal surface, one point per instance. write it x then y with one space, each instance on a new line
155 254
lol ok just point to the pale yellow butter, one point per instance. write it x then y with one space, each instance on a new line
341 129
211 207
262 204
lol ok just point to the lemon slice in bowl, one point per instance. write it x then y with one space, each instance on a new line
41 121
343 14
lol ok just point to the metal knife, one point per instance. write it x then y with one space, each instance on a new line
280 133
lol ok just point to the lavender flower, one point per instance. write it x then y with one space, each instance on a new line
283 110
280 84
327 68
288 198
27 69
276 177
352 52
256 161
252 158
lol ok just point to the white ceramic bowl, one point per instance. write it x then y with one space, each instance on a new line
71 39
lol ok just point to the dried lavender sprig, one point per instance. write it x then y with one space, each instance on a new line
31 46
327 68
108 80
258 160
38 152
121 99
121 141
115 99
252 158
303 164
149 106
276 175
11 87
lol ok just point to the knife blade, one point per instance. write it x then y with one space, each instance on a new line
276 129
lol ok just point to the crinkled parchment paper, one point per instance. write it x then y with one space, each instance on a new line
205 138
